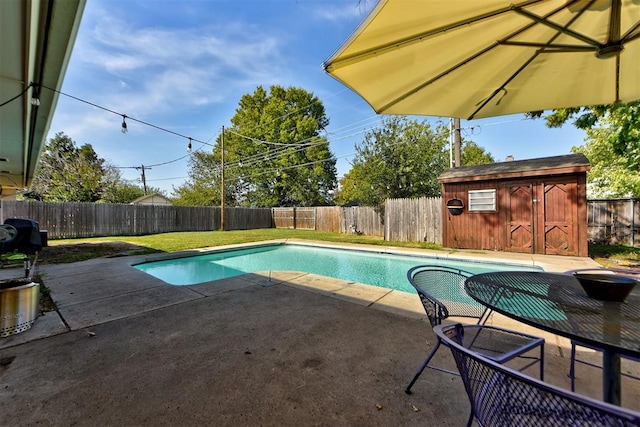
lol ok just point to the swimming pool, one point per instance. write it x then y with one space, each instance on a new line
374 268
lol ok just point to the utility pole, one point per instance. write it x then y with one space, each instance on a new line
222 180
144 179
457 141
450 142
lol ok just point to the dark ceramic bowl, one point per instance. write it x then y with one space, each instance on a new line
606 287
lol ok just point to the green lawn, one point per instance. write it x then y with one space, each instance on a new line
615 255
71 250
168 242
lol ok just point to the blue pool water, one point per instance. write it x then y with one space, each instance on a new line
373 268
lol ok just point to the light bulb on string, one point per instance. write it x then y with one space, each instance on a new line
124 124
35 98
189 146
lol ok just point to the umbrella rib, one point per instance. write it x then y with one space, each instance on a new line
555 47
436 78
416 38
614 38
560 28
617 78
614 22
629 36
462 63
502 87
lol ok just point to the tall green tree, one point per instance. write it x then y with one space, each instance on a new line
472 154
274 155
203 186
622 122
610 176
395 160
403 158
66 173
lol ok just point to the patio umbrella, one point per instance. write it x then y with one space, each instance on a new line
473 59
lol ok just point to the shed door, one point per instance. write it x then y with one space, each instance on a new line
559 219
520 227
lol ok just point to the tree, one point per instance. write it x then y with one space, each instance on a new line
609 175
401 159
472 154
122 192
621 120
203 187
274 155
352 186
66 173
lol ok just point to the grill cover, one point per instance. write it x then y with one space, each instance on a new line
28 240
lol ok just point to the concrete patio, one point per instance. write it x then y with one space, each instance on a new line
283 348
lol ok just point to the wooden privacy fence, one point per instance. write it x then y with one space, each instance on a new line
414 220
420 220
614 221
298 218
336 219
72 220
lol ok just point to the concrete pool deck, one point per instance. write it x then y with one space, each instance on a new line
278 348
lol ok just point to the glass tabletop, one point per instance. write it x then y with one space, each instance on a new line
557 303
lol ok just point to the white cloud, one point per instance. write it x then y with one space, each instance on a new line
156 69
344 11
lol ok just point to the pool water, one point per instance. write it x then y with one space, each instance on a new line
373 268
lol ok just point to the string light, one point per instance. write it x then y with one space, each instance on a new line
35 98
124 124
282 150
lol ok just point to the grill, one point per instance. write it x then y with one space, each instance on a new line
22 235
19 298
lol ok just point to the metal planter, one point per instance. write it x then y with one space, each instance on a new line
19 306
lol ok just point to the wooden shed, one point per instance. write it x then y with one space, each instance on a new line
531 206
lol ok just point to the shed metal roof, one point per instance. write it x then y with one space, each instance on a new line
557 165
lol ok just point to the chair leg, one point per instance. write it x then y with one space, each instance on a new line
470 420
542 362
424 365
572 367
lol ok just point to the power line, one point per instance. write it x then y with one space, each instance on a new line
283 150
124 117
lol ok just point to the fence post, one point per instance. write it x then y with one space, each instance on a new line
633 224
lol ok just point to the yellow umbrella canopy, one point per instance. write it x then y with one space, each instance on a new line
482 58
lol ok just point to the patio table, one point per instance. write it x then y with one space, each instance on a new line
556 303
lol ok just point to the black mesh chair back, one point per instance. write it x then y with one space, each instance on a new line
501 396
441 291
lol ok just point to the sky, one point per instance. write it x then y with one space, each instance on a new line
182 67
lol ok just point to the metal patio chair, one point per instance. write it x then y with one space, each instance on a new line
436 284
501 396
